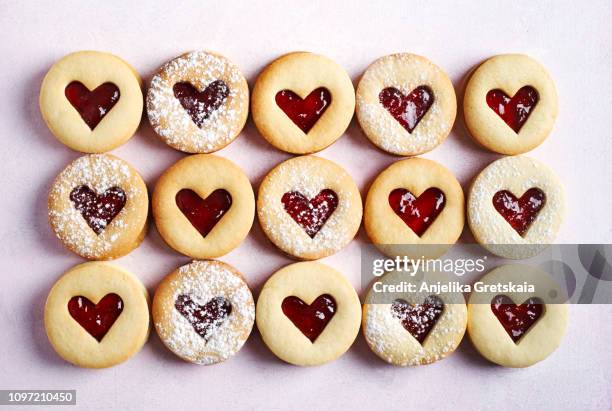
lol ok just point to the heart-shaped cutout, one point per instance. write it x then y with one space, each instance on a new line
311 319
519 212
417 212
516 110
418 319
311 214
92 105
201 104
304 112
98 210
407 110
517 319
203 214
96 319
203 318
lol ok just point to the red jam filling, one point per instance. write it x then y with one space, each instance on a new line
516 319
203 214
514 111
417 212
304 112
201 104
519 212
203 318
96 319
407 110
92 105
418 319
311 319
98 210
311 214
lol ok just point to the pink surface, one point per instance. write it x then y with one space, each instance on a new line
571 40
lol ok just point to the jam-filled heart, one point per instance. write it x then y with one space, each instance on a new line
92 105
98 210
409 109
517 319
205 213
417 212
311 319
203 318
418 319
96 319
201 104
514 111
304 112
519 212
311 214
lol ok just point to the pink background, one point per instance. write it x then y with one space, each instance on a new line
571 40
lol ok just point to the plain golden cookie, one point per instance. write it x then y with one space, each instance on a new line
308 314
510 104
198 102
302 102
91 101
203 206
406 105
98 207
203 312
309 207
97 315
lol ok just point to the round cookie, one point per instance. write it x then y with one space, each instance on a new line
203 312
511 335
510 104
508 225
415 207
302 102
309 207
203 206
406 105
198 102
413 328
97 315
98 207
308 314
91 101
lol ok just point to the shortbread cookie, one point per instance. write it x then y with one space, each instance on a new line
413 203
303 102
308 314
91 101
406 105
515 207
309 207
413 328
517 328
97 315
204 312
198 102
510 104
203 206
98 207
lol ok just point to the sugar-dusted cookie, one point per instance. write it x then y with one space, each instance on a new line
406 105
204 312
98 207
309 207
510 104
203 206
302 102
308 314
91 101
198 102
97 315
515 207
